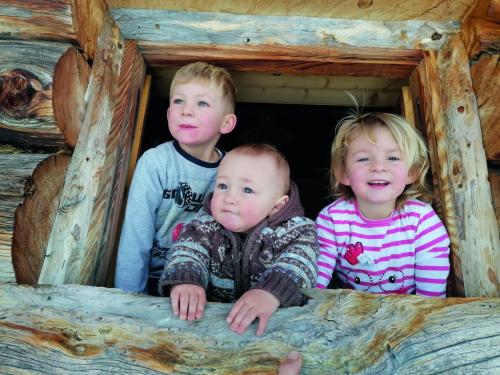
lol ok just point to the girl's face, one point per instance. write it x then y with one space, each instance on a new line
376 172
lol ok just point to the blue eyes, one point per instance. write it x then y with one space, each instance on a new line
201 103
245 190
390 158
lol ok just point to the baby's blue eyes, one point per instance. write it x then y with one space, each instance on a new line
203 104
247 190
177 101
393 158
390 158
221 186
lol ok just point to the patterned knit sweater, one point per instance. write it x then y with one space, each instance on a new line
279 255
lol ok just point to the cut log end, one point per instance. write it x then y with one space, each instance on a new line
34 217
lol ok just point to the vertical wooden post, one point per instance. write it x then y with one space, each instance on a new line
459 162
67 245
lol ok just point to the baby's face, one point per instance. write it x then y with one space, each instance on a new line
247 190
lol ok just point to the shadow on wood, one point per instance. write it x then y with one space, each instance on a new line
81 329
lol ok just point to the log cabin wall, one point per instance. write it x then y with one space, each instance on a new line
83 48
69 90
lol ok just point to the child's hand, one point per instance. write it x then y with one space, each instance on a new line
188 301
256 303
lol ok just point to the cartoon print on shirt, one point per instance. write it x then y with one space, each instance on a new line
390 281
183 194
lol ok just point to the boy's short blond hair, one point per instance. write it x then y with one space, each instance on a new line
407 137
211 74
263 149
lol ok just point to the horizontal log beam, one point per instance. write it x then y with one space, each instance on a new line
288 59
49 20
78 329
380 10
168 26
26 77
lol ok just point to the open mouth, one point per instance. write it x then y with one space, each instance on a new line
378 183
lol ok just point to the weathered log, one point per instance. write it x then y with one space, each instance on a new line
171 26
49 20
88 16
453 124
485 75
78 329
26 111
312 60
16 169
380 10
71 78
105 219
35 216
67 247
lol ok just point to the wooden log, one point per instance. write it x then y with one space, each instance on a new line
203 28
380 10
485 74
16 169
452 118
495 191
26 111
78 329
105 222
304 60
481 35
35 215
89 16
49 20
71 78
67 246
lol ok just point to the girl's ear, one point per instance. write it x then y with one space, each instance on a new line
228 124
412 175
342 177
280 203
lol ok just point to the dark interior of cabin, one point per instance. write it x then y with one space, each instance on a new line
302 132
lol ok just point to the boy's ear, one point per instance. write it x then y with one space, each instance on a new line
280 203
228 124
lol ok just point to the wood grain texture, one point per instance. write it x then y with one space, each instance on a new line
110 197
35 215
71 78
16 169
67 245
485 75
167 26
288 59
89 16
379 10
26 75
453 120
49 20
78 329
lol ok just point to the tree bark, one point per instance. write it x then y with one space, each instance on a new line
78 329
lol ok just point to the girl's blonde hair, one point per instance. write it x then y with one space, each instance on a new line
210 74
407 137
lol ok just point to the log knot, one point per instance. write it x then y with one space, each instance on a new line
18 91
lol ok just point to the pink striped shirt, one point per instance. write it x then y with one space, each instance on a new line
405 253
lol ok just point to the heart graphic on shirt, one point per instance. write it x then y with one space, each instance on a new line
353 252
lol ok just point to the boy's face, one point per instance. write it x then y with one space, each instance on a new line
247 190
198 114
376 172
